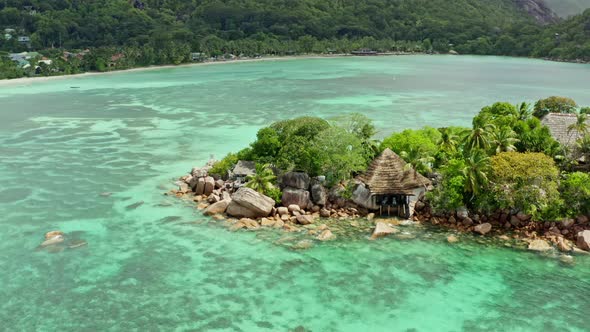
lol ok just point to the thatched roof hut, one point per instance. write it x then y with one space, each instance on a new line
558 125
389 174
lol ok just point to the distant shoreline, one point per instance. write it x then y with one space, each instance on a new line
23 81
27 80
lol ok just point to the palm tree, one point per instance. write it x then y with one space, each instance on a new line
525 111
418 159
479 137
475 171
448 141
583 148
504 140
262 180
580 126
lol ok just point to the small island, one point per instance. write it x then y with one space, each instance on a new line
520 173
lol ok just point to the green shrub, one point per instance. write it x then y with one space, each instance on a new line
527 182
575 188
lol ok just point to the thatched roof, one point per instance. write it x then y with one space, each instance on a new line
389 174
558 124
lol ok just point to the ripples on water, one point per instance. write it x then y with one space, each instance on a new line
159 265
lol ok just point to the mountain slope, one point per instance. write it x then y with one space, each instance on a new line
565 8
539 10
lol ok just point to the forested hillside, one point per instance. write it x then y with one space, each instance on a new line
129 33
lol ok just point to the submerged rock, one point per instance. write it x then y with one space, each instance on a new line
54 240
326 235
452 239
134 205
52 234
77 244
483 229
563 245
302 245
539 245
382 229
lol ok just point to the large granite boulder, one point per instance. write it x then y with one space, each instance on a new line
583 240
297 180
200 187
304 219
209 186
217 208
299 197
244 168
200 172
319 195
361 196
248 203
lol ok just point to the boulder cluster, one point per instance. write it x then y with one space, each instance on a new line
304 201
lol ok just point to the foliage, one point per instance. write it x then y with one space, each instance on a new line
166 32
362 127
585 110
338 150
449 194
576 187
534 137
416 147
527 182
554 105
262 180
580 126
475 172
224 166
339 154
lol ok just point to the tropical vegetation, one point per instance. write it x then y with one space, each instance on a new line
123 34
507 160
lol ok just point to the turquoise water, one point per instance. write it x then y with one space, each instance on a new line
161 266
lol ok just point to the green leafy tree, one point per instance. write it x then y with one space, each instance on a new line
554 105
416 147
339 154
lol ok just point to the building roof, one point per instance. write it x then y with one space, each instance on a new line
558 125
389 174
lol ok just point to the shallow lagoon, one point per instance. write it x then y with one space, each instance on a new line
132 133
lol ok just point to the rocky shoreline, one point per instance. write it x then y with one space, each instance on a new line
567 236
309 207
